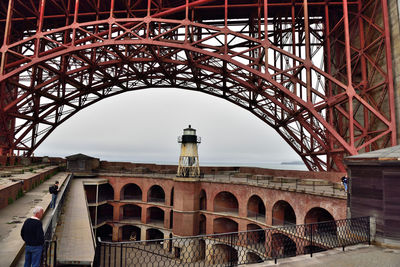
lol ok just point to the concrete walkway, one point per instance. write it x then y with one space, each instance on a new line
74 235
13 216
354 256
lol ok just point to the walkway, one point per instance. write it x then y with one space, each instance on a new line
359 255
13 216
74 235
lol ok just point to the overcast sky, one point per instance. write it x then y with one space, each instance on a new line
143 126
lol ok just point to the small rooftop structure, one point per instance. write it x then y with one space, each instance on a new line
375 191
82 163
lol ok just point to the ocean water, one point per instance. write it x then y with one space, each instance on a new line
268 165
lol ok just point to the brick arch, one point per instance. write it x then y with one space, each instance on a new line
282 246
132 193
255 234
155 215
226 201
129 233
225 225
118 183
318 214
130 212
156 196
256 208
202 224
283 213
333 206
203 200
105 232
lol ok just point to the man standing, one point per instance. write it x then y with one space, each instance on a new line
345 182
32 234
54 191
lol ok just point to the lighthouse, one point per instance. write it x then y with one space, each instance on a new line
189 158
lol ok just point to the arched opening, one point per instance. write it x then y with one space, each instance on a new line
104 213
255 235
202 224
283 213
256 208
91 193
203 200
222 254
283 246
131 192
131 212
226 202
130 233
104 232
224 225
322 221
155 234
172 197
252 257
156 194
106 192
155 216
202 249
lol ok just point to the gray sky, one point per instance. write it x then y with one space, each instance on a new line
143 126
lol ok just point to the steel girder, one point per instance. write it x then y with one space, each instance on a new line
317 72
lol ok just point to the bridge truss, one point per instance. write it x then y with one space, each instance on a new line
318 72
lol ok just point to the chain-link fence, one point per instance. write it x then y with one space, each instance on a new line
232 249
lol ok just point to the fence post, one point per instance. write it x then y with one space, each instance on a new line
231 251
311 240
120 261
369 230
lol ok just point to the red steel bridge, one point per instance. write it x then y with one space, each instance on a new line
318 72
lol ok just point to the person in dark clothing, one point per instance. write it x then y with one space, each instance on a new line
345 182
54 192
32 234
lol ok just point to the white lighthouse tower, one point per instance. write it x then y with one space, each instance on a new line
189 158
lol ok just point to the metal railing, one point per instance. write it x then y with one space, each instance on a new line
50 247
49 254
233 249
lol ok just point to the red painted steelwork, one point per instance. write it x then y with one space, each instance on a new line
318 72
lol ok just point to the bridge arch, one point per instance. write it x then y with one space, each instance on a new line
288 90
